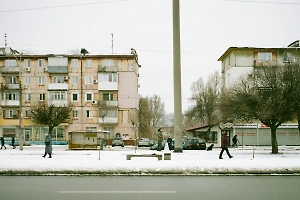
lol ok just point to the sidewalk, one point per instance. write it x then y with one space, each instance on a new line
245 161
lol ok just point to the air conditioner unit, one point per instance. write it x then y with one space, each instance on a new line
25 86
27 69
66 77
94 102
45 69
95 81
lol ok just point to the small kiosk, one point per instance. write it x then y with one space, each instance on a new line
87 139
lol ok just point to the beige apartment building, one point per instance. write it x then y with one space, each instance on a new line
102 89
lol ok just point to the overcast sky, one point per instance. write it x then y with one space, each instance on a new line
208 29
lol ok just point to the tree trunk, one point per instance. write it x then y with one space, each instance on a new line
274 140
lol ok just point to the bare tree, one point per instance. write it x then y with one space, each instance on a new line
206 98
50 115
151 115
264 95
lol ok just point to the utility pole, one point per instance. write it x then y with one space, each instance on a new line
177 78
20 119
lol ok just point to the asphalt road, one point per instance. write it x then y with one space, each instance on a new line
149 187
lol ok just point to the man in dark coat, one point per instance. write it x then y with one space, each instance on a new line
13 142
48 146
224 146
159 140
169 141
2 143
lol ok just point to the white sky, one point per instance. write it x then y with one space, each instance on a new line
113 159
208 28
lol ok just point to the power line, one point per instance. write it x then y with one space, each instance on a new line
269 2
63 6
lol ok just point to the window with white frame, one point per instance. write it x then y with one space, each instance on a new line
75 113
41 63
41 80
108 62
264 56
26 63
89 114
89 96
88 63
10 63
58 79
108 77
89 80
27 97
13 80
287 57
27 80
11 114
42 97
74 79
74 63
108 96
10 96
27 113
75 97
58 95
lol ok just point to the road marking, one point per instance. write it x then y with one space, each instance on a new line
117 192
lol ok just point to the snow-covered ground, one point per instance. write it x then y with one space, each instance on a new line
112 161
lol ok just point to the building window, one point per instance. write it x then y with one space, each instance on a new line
287 57
58 95
108 97
27 80
27 113
11 114
89 114
42 97
75 113
41 63
75 97
89 96
108 62
27 97
74 79
10 63
74 63
264 56
41 80
89 80
10 96
89 63
108 77
26 63
58 79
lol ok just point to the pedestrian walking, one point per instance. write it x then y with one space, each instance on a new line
224 146
13 142
48 146
235 141
2 143
159 140
169 141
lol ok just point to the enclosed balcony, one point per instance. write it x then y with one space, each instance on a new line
9 70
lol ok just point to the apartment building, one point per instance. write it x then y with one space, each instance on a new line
102 89
237 62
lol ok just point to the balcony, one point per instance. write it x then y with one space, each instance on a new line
57 69
107 85
10 103
108 104
58 86
58 103
108 120
9 70
107 68
10 86
264 63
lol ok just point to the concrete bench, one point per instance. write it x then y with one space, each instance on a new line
129 156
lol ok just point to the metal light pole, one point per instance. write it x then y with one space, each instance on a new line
20 119
177 78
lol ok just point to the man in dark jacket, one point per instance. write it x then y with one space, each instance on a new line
2 143
224 146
